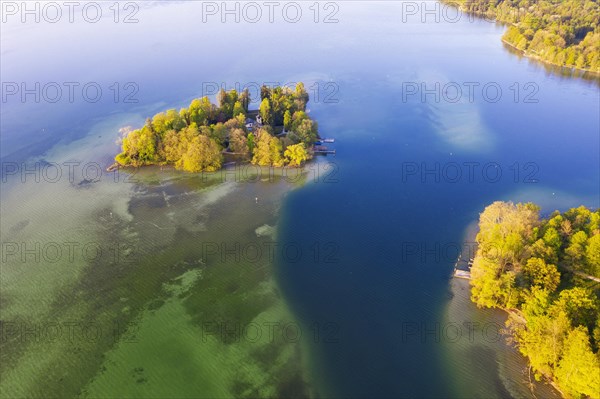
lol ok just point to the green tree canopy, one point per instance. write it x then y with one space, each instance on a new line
265 112
578 372
201 154
540 274
268 150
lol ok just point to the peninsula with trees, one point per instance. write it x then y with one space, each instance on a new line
546 274
559 32
196 139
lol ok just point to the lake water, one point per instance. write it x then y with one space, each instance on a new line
246 284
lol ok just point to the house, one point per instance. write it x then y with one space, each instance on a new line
259 120
249 123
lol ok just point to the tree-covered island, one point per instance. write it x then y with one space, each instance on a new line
546 272
559 32
195 139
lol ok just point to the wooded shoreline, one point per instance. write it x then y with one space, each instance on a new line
543 272
562 34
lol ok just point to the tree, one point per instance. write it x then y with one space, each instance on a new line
170 147
301 97
237 122
593 226
251 142
139 148
541 338
540 249
593 255
265 92
287 120
542 275
579 304
575 252
579 217
297 118
306 132
303 129
222 98
490 287
225 103
265 112
504 231
276 150
296 154
238 109
552 238
578 372
160 124
238 142
244 99
202 154
279 102
232 97
200 111
219 133
268 151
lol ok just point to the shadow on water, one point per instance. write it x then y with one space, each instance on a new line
551 70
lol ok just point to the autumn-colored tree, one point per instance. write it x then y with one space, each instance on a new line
268 151
200 111
287 120
578 371
238 109
265 112
238 142
575 252
296 154
139 148
540 274
202 154
592 255
301 97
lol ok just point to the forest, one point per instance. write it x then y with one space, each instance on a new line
195 139
560 32
544 272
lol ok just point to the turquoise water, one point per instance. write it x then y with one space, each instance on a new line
378 224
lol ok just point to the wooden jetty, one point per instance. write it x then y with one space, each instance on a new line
321 149
461 273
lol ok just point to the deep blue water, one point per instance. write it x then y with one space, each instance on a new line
385 229
397 227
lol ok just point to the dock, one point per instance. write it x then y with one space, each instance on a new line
321 149
461 273
325 152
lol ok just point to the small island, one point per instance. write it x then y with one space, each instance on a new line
198 138
545 273
564 33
